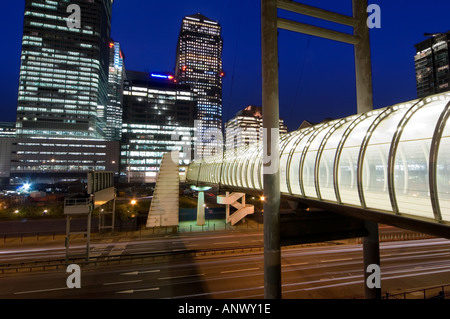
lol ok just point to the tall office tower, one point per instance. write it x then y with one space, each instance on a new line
115 92
432 64
158 117
63 92
246 128
63 82
199 65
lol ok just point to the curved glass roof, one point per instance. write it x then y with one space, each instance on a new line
395 159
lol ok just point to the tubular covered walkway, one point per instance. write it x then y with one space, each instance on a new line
394 160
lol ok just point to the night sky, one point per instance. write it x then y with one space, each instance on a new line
316 75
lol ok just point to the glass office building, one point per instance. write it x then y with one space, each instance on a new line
63 92
117 74
432 63
199 65
63 82
158 117
246 128
395 160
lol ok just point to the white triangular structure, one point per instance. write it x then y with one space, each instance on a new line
164 208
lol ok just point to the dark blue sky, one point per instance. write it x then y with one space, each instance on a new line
316 75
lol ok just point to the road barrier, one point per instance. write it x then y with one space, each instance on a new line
400 237
434 292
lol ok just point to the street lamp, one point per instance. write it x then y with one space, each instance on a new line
133 202
200 203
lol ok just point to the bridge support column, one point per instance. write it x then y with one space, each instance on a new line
363 64
201 208
371 251
271 174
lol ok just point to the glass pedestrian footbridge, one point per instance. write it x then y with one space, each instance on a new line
394 160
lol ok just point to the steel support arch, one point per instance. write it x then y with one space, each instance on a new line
305 151
319 153
291 154
393 152
337 156
434 153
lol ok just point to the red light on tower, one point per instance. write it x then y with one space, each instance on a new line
222 74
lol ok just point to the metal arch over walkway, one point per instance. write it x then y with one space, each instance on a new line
394 160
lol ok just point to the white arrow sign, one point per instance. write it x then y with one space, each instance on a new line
137 272
131 291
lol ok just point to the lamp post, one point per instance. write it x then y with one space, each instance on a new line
200 203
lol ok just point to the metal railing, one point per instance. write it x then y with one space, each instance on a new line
435 292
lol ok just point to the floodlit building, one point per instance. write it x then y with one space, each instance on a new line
246 128
7 137
117 74
63 92
432 65
158 117
199 65
63 82
7 129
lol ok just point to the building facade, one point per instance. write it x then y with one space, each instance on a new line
41 160
432 65
63 92
158 117
246 128
7 137
199 65
63 82
116 77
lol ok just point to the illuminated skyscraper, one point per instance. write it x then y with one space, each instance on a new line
63 82
432 63
199 65
63 92
158 117
117 75
246 128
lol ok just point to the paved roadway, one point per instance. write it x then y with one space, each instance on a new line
307 272
16 251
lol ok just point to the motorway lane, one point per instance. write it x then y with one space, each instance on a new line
102 247
126 245
313 272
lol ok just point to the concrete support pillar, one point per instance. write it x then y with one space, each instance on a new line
371 251
363 64
201 208
271 175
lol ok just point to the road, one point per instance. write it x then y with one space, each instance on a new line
323 272
117 246
124 245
